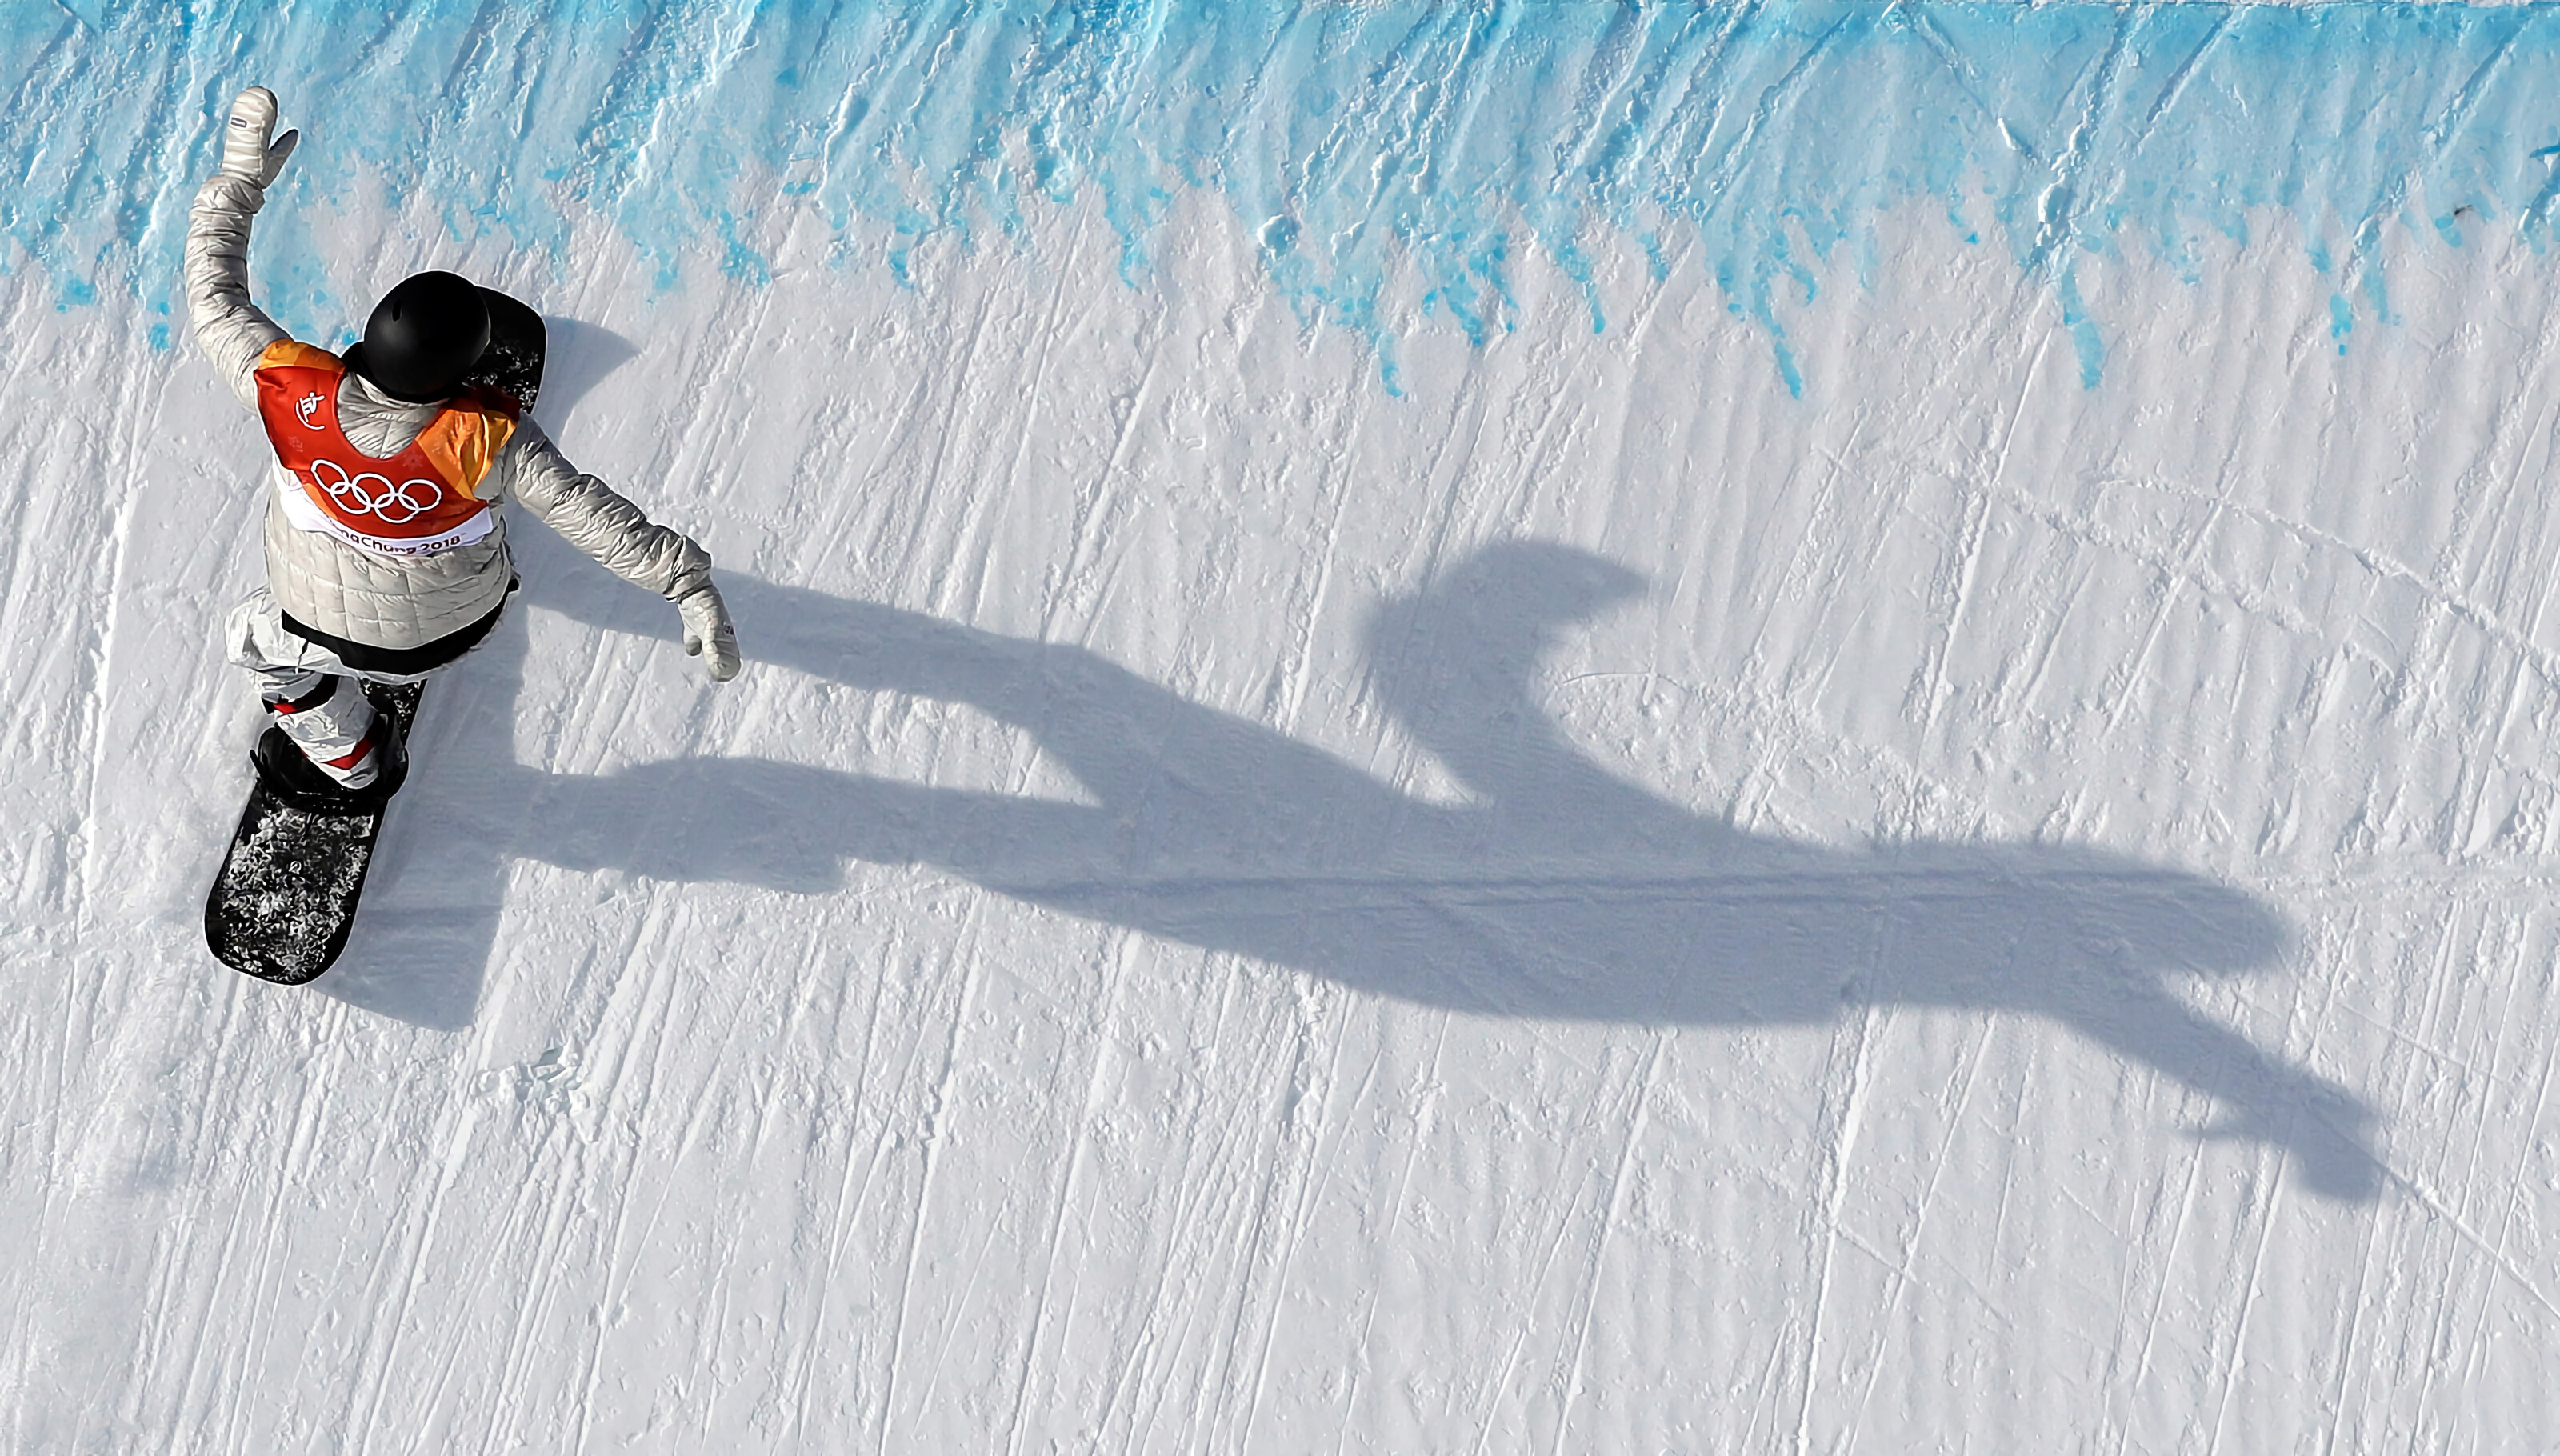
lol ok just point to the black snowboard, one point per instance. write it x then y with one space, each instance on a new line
285 899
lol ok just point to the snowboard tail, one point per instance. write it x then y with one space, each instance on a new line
285 899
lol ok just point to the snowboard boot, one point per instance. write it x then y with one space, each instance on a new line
332 750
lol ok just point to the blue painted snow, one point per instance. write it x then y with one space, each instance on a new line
1397 161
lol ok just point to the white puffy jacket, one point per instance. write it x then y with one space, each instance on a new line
403 602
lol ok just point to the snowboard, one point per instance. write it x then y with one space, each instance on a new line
284 901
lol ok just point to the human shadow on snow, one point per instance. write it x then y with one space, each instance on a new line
1557 890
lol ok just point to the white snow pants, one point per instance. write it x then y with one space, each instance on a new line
316 698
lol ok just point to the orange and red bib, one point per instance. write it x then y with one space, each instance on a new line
418 502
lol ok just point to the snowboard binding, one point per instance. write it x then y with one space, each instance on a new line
289 774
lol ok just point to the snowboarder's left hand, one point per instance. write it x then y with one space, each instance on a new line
252 150
708 634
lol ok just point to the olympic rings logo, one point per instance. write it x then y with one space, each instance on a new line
375 494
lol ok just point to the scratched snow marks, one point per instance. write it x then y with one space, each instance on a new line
811 1063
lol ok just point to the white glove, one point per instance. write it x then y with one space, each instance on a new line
708 634
251 149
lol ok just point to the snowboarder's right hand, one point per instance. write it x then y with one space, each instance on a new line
251 149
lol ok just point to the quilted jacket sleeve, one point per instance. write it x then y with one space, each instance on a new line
598 521
231 330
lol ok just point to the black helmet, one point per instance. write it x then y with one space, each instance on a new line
424 337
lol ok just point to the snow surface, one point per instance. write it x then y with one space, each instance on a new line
1553 729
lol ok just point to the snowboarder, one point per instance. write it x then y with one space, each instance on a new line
385 552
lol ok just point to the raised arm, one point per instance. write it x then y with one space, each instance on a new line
231 330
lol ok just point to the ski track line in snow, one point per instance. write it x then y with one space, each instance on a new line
1101 1060
1226 1211
1421 1098
2175 1207
2350 1338
622 1023
938 1108
1275 1189
132 384
2494 1240
1613 1210
2233 1335
1273 1245
2443 986
227 1080
850 1194
1253 1239
1843 1112
1903 1266
1323 1164
1485 1419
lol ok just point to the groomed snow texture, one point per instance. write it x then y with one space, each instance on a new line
1563 727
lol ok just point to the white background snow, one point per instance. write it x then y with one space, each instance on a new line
1595 904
